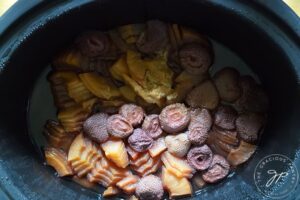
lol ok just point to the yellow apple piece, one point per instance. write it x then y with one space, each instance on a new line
99 86
128 93
177 187
158 147
141 160
111 191
119 68
115 151
179 164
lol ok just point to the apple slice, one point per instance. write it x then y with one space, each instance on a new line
56 135
119 68
133 198
84 171
154 168
132 153
128 183
69 59
141 160
100 174
177 187
170 168
58 160
128 93
144 167
179 164
99 86
115 151
72 118
89 104
158 147
132 179
111 191
78 91
93 179
76 148
129 189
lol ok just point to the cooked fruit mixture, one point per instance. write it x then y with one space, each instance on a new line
139 114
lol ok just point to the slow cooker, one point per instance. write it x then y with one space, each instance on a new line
265 34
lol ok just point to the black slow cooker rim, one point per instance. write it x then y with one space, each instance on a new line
289 21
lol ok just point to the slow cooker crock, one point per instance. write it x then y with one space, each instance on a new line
266 34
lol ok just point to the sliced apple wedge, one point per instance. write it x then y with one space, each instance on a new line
58 160
99 86
154 168
119 68
66 76
158 147
116 152
89 104
128 184
70 59
78 91
179 164
132 153
144 167
132 179
56 135
128 93
72 118
133 198
76 148
83 155
170 168
111 191
141 160
129 189
177 187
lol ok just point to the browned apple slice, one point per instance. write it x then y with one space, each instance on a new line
56 135
177 187
58 160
